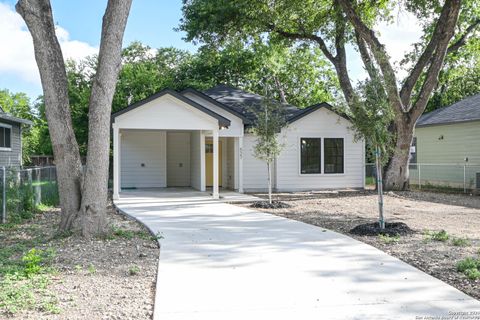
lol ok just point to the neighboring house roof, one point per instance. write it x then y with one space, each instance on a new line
222 121
465 110
10 118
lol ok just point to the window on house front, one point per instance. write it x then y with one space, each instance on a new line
310 155
333 155
5 137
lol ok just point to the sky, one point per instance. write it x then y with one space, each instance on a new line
150 21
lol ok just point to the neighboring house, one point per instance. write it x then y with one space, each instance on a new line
11 139
446 140
170 140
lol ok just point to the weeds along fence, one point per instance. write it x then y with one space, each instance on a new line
23 190
438 176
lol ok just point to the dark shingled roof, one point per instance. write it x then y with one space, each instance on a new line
243 102
465 110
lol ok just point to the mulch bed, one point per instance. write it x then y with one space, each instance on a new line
268 205
373 229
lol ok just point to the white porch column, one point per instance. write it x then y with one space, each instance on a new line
202 162
216 194
236 155
116 162
240 164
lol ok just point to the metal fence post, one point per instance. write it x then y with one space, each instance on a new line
419 177
464 178
4 195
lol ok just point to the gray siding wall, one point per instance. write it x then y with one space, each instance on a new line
13 157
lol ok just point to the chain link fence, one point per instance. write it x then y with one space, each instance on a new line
437 176
24 189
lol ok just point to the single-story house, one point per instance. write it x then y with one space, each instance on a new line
11 139
201 139
446 140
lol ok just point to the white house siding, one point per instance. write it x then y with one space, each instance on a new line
195 160
322 123
178 159
254 171
166 113
145 147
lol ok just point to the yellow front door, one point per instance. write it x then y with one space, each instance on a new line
209 163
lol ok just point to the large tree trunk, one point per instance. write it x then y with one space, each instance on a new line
48 54
94 195
83 197
397 173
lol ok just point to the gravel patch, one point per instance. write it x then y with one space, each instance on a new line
423 212
111 278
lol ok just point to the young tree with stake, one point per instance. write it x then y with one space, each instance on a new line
270 120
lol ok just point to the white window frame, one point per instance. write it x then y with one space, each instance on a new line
8 126
322 155
344 157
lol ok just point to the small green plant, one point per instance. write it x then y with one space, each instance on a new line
470 267
91 269
134 270
33 260
387 239
441 235
78 268
460 242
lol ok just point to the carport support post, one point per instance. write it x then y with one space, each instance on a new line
116 163
215 165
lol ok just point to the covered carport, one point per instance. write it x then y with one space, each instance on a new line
160 142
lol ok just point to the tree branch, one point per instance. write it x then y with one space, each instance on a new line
463 39
452 8
423 60
305 36
378 51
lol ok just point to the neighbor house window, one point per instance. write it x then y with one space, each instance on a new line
333 155
5 137
311 158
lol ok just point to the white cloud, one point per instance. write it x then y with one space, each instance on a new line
16 54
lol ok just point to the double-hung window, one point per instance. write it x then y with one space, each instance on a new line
311 155
333 155
5 137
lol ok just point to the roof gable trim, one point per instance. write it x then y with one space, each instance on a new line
222 121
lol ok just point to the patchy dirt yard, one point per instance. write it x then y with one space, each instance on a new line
427 213
109 278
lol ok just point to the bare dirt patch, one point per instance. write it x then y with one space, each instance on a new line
109 278
424 212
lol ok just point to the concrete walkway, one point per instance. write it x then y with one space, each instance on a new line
220 261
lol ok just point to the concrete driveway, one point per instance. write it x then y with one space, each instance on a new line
221 261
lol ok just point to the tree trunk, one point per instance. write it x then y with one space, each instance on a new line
83 197
94 194
397 172
48 54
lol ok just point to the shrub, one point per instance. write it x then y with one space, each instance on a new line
134 270
460 242
470 267
441 235
387 239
